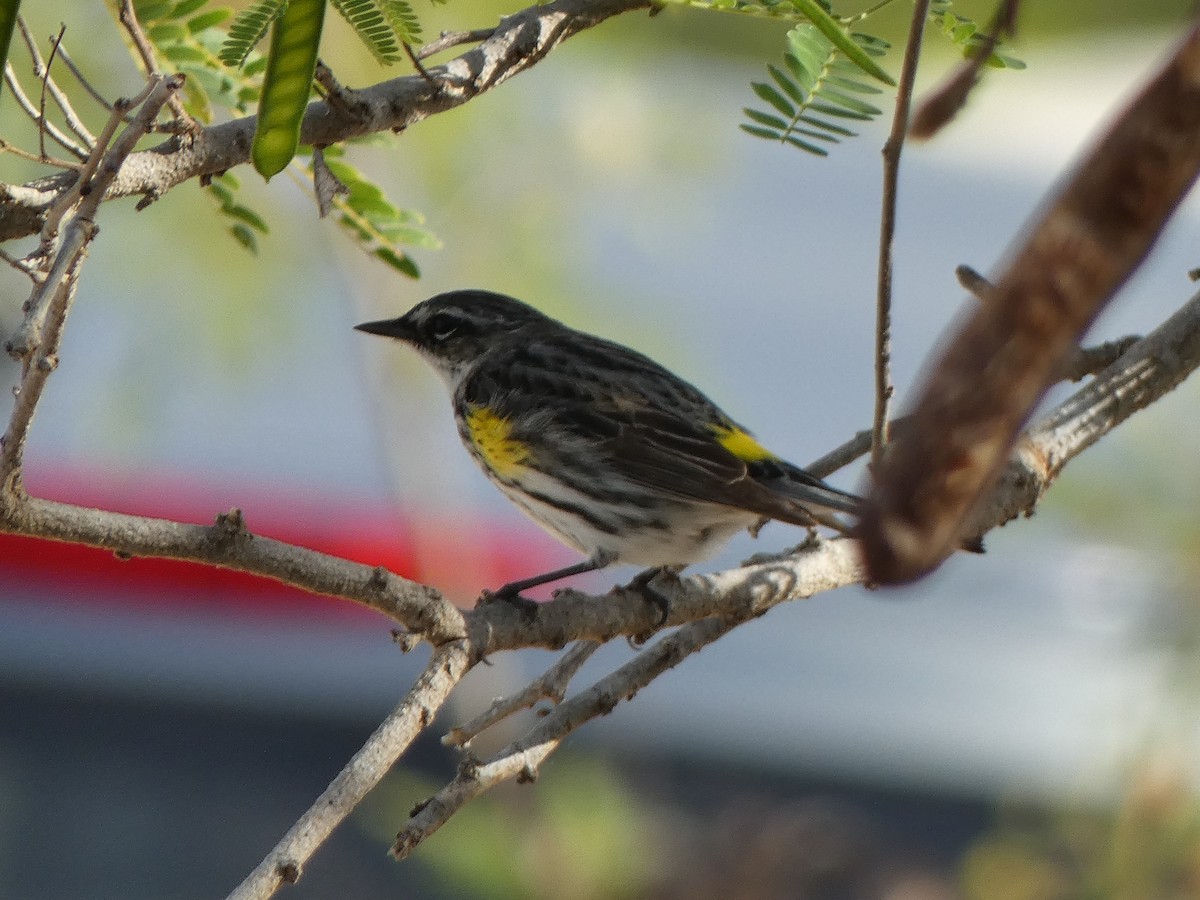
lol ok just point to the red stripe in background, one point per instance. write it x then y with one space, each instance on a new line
370 534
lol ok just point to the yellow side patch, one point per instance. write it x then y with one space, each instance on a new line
741 444
492 436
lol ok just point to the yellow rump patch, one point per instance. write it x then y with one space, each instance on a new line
741 444
492 437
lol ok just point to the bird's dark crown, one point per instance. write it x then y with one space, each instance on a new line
454 328
458 315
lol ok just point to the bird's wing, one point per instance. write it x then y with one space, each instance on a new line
623 412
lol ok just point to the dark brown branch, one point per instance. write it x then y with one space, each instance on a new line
993 373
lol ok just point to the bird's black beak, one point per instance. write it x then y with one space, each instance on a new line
399 328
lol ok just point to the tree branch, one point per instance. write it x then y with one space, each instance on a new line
990 376
519 42
376 758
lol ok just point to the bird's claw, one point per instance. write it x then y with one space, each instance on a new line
526 607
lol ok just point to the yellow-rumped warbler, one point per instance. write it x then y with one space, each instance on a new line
601 446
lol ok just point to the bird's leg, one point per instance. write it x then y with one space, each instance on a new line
511 592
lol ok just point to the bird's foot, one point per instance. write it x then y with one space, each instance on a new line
526 607
642 584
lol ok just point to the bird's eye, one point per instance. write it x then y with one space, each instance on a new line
445 325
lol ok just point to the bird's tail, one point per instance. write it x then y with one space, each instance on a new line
809 490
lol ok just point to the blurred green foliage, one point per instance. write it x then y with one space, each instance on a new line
1146 848
580 832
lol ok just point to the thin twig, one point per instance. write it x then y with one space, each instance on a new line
73 165
552 686
450 39
22 266
36 341
42 70
128 18
522 758
83 183
1083 362
82 79
376 758
415 60
27 107
887 231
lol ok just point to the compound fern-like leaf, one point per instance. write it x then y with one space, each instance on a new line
817 85
248 28
367 19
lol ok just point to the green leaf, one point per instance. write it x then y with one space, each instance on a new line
181 53
763 119
246 215
770 95
151 11
827 126
829 109
849 84
403 20
812 61
805 145
185 8
246 224
245 237
758 131
789 87
851 103
8 21
166 32
210 19
399 262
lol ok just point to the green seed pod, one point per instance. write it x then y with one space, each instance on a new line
295 37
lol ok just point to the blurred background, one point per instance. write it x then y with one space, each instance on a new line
1020 725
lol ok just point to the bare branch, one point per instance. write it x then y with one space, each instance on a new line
992 374
1148 370
42 70
36 341
420 609
81 78
552 686
27 107
376 758
129 20
1083 362
523 757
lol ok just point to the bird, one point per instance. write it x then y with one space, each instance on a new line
607 450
